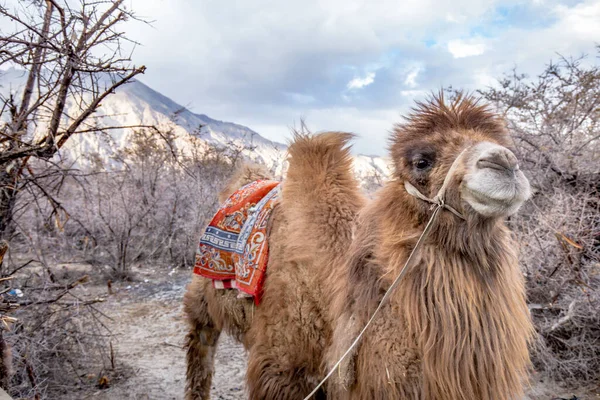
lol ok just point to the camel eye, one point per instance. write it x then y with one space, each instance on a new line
420 159
422 164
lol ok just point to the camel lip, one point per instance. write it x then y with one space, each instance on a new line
485 198
497 166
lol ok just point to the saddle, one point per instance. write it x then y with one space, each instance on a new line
234 250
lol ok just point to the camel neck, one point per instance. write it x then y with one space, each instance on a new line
400 219
462 301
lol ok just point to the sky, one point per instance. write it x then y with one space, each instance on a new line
346 65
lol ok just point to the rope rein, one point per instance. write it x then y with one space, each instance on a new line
439 202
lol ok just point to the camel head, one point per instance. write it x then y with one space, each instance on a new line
471 142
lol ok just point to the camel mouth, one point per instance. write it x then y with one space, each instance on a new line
497 166
485 198
489 206
492 208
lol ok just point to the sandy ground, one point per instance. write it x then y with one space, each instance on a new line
149 334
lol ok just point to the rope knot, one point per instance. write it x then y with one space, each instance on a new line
438 200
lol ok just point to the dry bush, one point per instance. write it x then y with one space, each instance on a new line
71 58
147 204
555 121
58 340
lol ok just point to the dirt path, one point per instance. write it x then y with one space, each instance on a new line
149 335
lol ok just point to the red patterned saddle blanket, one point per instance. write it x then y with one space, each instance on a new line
234 251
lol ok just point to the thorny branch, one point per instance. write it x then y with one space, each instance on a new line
555 120
56 52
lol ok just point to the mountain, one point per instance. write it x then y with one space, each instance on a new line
137 104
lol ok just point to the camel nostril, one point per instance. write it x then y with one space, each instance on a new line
500 159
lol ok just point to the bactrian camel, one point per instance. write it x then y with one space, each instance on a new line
457 325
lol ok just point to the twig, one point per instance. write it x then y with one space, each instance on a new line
112 356
69 287
172 345
14 271
82 303
32 380
562 321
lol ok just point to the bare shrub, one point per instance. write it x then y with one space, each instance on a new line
71 57
555 121
145 205
58 340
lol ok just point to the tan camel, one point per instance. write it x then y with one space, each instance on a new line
457 325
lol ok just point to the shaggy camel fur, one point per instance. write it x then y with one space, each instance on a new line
457 325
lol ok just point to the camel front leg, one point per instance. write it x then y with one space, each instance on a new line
272 376
201 343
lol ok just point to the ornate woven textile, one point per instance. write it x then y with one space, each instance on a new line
234 250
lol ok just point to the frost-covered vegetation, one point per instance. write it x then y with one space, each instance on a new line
555 122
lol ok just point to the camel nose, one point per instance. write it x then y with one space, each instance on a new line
498 157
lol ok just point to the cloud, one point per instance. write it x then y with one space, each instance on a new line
455 18
359 83
411 77
255 51
460 48
345 64
300 98
581 21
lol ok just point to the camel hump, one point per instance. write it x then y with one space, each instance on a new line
320 195
324 153
246 173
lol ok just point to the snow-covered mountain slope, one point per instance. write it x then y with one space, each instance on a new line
137 104
372 166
